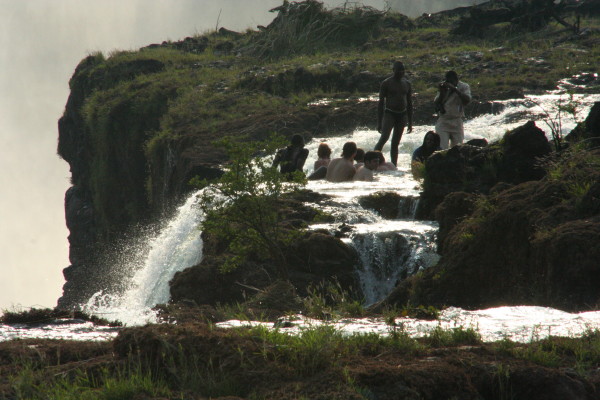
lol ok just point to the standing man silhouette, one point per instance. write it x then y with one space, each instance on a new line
394 110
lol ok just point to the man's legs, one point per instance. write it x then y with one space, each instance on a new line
457 136
400 123
386 128
441 130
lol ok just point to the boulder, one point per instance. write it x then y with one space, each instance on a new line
475 169
532 243
589 130
386 204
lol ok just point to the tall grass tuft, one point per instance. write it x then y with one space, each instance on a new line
306 27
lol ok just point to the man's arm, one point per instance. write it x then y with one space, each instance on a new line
409 108
381 105
301 159
463 91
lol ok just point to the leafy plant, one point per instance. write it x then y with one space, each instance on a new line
240 207
555 122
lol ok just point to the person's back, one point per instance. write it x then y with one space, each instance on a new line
342 169
292 157
363 174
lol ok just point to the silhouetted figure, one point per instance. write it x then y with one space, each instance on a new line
324 156
394 110
383 164
292 157
359 158
431 144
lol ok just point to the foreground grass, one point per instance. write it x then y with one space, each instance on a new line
211 362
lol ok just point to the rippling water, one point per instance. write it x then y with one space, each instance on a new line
520 324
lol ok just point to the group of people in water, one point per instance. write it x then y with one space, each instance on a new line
394 114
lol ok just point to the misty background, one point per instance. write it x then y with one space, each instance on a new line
42 41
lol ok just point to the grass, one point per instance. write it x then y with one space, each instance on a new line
225 363
329 300
29 384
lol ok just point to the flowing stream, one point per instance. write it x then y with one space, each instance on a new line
390 250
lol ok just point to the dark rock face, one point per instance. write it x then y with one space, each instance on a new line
537 242
474 169
589 130
317 257
387 204
455 207
95 223
522 148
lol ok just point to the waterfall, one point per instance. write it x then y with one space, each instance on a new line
407 207
392 254
177 246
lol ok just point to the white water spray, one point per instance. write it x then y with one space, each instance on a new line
176 247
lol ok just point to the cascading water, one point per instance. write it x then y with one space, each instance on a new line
392 252
176 247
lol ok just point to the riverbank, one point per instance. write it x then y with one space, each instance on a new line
196 360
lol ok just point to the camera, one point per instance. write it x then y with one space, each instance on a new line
439 105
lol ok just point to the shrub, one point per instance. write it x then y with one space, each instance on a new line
240 207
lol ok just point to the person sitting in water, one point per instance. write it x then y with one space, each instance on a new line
431 144
324 156
342 169
384 165
320 166
365 172
359 158
291 158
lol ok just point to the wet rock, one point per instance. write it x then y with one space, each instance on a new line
532 243
477 142
387 204
589 130
455 207
523 147
275 300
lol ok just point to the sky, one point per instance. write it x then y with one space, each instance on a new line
42 41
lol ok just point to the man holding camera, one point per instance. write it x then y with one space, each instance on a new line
450 104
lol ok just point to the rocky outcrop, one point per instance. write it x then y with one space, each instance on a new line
474 169
316 258
536 243
587 131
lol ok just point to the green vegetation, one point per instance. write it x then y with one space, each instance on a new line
46 315
240 207
576 170
162 365
328 300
